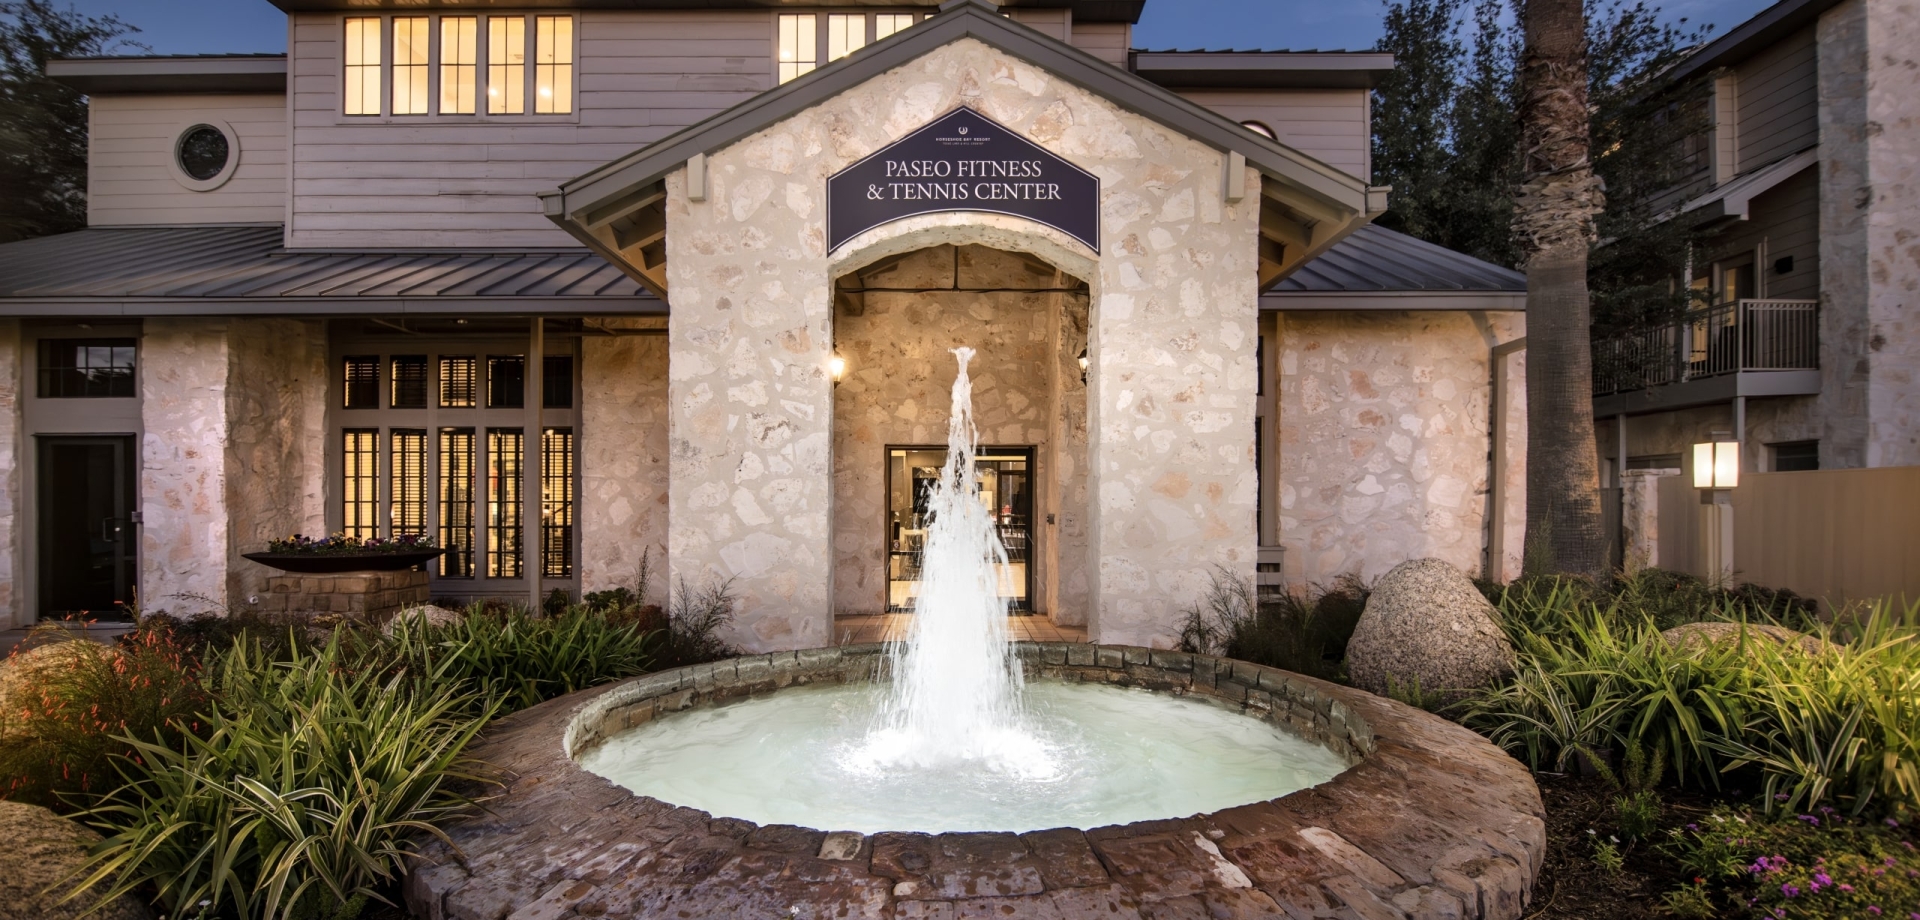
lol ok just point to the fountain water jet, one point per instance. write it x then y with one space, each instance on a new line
957 687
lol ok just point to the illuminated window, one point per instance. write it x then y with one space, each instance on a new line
459 55
885 24
556 503
506 65
846 33
553 64
362 91
455 525
362 383
799 50
409 386
360 483
407 489
410 47
459 387
505 459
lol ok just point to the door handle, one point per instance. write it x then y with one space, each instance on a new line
110 529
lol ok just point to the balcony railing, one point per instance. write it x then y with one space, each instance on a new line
1752 335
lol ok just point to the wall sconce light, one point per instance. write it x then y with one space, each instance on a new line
836 368
1083 366
1716 465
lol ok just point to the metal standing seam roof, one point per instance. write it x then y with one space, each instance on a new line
229 269
146 267
1375 260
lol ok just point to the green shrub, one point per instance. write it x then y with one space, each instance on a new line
307 794
1817 866
1839 726
70 707
517 659
1302 631
695 619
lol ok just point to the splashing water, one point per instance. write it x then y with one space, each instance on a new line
957 689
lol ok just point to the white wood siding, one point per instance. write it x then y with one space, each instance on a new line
1108 41
464 181
1327 124
130 145
1778 101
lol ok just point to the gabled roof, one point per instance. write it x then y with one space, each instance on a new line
244 270
960 19
617 210
1749 38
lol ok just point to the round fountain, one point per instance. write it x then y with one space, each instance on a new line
952 773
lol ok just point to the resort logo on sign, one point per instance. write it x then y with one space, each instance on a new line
963 161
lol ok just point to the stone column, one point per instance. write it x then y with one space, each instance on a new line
1869 183
12 528
1640 516
183 465
750 403
233 455
276 442
623 459
1173 328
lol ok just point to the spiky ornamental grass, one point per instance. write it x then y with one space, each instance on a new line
310 788
1838 726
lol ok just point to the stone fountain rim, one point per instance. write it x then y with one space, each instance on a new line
1428 819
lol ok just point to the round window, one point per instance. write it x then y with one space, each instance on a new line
203 152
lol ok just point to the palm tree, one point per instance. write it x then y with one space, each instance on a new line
1554 225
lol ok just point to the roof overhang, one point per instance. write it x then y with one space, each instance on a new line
1083 10
1263 69
240 73
1410 301
1734 200
619 209
1748 38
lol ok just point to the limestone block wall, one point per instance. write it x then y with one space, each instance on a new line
623 460
1067 593
1769 421
12 530
184 534
233 454
275 482
1640 516
1869 181
1173 333
1384 440
898 391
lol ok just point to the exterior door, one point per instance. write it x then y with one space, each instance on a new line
86 541
1005 479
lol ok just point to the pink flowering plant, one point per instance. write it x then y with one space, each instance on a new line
1822 865
343 545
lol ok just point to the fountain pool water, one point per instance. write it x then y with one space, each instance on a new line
956 740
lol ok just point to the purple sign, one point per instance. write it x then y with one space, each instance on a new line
963 161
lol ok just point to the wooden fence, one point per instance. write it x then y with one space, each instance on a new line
1837 535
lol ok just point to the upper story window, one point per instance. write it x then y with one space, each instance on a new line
431 65
806 40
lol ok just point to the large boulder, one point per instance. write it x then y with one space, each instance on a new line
1426 624
1710 634
27 669
42 849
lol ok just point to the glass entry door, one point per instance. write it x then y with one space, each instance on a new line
1005 478
86 540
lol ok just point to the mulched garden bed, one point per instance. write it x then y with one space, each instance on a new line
1572 885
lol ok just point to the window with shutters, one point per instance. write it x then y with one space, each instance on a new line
431 435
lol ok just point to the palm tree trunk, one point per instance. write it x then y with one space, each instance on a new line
1553 222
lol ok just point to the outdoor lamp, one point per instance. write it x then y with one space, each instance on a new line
1083 365
837 368
1716 465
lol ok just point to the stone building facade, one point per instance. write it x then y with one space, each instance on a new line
667 364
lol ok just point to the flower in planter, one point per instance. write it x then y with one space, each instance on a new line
343 545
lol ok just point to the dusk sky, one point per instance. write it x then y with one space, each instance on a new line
211 26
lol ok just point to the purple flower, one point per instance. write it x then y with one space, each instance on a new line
1846 888
1892 823
1694 827
1811 820
1779 796
1790 890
